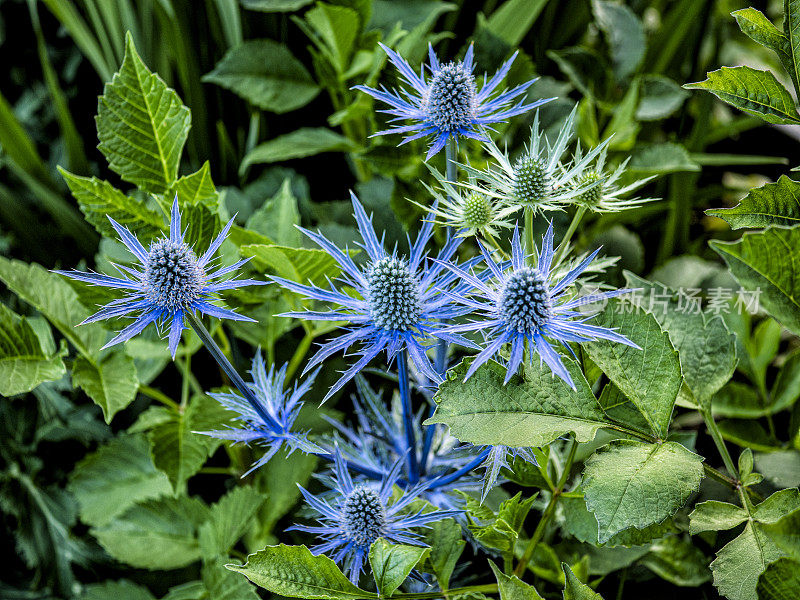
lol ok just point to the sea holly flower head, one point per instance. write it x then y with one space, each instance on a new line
357 514
498 459
397 302
538 179
602 192
521 305
272 426
446 103
169 282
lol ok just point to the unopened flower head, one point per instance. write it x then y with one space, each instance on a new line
446 103
602 192
398 302
521 305
538 179
272 426
357 514
170 281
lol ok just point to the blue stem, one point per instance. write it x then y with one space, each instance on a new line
408 417
353 466
475 462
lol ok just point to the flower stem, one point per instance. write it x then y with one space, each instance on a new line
158 395
716 435
530 246
229 369
474 463
549 511
573 226
408 417
299 354
489 588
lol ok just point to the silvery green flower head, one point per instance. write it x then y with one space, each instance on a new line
271 427
169 282
446 103
607 195
520 305
397 304
358 513
538 179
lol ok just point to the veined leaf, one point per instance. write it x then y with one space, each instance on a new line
306 141
266 74
445 540
277 218
758 28
338 27
392 563
625 35
194 189
755 92
741 561
780 581
298 264
771 204
512 587
713 515
575 589
767 261
24 362
791 30
121 589
634 484
229 519
142 125
294 572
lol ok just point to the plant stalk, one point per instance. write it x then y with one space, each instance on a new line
408 417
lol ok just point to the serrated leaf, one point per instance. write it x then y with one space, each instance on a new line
766 261
115 477
194 189
676 560
142 125
99 200
739 563
512 587
660 159
634 484
306 141
713 515
780 581
176 447
338 27
266 74
156 534
298 264
532 410
294 572
758 28
446 544
221 584
575 589
202 226
392 563
649 376
791 29
229 519
24 363
771 204
277 218
111 382
755 92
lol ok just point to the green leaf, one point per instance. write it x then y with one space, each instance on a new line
392 563
119 590
784 531
650 376
99 200
512 587
574 589
780 581
194 189
298 264
739 563
659 98
532 410
624 33
771 204
24 362
229 520
115 477
142 125
758 28
176 447
294 572
278 217
791 23
202 226
511 21
446 544
338 27
306 141
713 515
660 159
766 261
266 74
221 584
755 92
740 401
110 382
275 5
156 534
676 560
500 530
633 484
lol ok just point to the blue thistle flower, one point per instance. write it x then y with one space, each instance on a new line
171 282
397 304
519 304
359 513
448 104
497 459
272 426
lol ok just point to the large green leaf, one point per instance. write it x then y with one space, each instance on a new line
531 410
512 587
294 572
757 27
156 534
766 261
278 217
99 200
392 563
266 74
780 581
115 477
302 265
119 590
791 30
24 362
755 92
511 21
196 188
337 27
713 515
633 484
229 519
739 563
110 381
675 559
625 35
142 125
650 376
445 540
575 589
771 204
306 141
